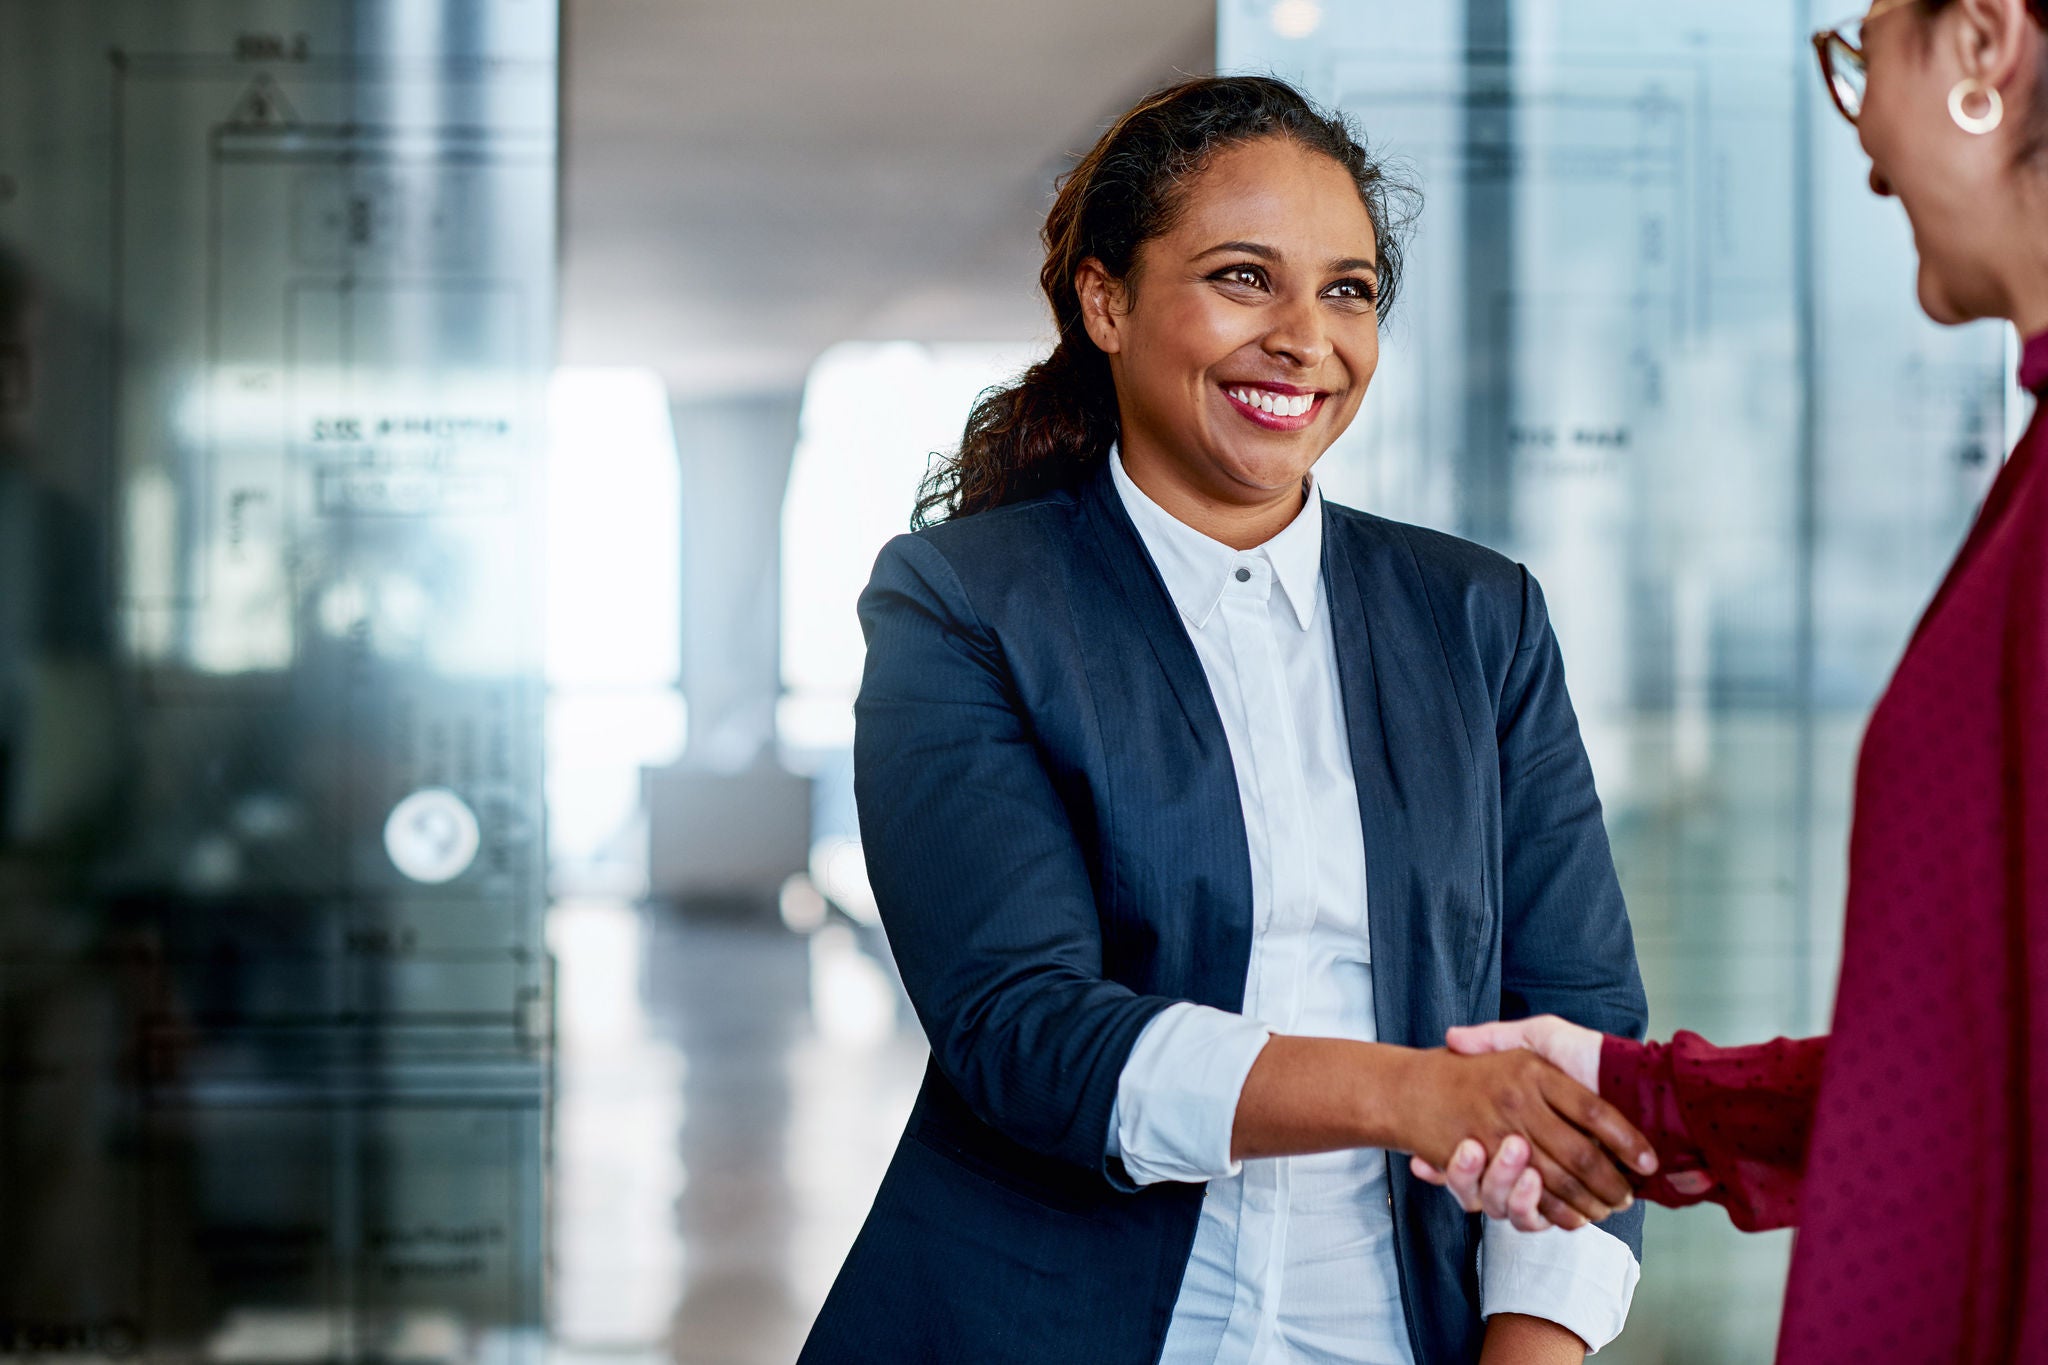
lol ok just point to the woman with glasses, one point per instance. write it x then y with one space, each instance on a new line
1909 1145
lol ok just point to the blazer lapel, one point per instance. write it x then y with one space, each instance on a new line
1180 849
1398 709
1145 593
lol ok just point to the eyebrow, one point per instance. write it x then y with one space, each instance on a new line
1266 253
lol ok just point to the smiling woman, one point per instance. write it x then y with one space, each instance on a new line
1252 351
1063 416
1182 865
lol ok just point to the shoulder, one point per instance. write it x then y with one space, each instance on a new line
978 566
1021 528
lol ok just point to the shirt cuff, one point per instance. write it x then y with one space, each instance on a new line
1176 1100
1583 1280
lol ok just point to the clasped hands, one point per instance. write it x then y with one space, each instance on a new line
1529 1155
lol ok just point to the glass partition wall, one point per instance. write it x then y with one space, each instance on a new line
1659 342
276 297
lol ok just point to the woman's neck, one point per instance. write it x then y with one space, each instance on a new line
2027 286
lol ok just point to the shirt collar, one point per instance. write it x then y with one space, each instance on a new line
2034 364
1195 567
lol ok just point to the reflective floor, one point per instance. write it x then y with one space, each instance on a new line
727 1100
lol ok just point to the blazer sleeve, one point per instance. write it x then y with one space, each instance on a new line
981 882
1566 945
1566 948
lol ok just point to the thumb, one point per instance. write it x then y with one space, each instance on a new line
1473 1039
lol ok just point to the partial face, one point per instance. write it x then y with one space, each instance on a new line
1248 336
1944 177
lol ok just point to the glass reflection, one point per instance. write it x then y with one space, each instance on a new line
274 1019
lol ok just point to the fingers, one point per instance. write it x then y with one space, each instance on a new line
1504 1176
1579 1152
1468 1162
1558 1213
1607 1123
1510 1189
1691 1182
1525 1202
1566 1187
1575 1168
1513 1190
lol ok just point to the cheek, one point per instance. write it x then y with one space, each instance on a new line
1211 330
1361 357
1180 343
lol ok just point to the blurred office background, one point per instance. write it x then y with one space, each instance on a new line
440 447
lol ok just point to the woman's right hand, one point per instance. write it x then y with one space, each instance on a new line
1448 1099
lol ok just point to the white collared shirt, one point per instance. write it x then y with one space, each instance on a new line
1294 1257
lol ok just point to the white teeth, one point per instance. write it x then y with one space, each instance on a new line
1278 404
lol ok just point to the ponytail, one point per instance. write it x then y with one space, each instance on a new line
1040 434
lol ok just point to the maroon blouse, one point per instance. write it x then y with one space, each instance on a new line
1911 1145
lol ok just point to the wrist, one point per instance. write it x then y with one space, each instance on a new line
1388 1085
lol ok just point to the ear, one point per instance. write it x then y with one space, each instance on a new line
1992 39
1102 306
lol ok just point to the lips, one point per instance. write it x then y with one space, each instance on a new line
1275 407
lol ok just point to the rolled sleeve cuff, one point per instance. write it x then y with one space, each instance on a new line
1176 1100
1583 1281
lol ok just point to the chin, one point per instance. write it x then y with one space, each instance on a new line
1266 469
1936 302
1952 297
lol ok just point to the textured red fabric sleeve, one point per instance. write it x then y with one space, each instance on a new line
1730 1125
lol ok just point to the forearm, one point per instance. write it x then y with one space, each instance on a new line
1514 1339
1319 1095
1323 1094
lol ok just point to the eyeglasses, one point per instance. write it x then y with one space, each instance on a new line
1840 50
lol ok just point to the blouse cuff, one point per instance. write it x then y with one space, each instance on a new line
1583 1281
1176 1100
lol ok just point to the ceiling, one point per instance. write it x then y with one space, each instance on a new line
746 182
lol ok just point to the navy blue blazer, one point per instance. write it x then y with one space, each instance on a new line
1054 835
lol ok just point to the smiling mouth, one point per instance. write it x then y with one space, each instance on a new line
1274 409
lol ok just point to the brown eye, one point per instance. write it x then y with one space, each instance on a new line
1360 291
1241 274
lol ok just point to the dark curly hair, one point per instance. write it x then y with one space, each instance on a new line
1060 417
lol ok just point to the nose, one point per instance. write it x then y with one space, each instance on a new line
1298 333
1879 185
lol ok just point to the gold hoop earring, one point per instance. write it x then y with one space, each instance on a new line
1958 102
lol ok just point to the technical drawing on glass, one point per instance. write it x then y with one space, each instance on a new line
276 316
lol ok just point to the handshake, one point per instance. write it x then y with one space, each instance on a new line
1540 1147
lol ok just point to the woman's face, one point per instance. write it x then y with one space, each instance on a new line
1950 182
1246 335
